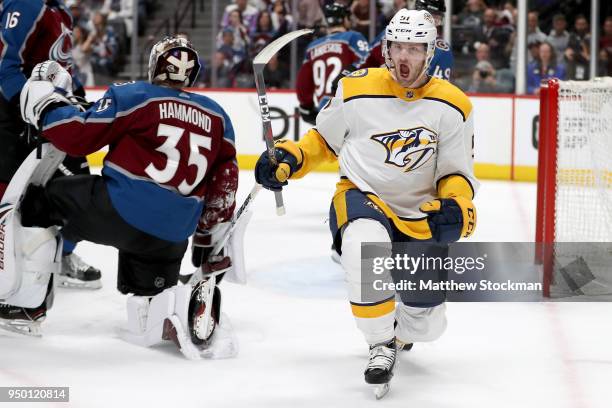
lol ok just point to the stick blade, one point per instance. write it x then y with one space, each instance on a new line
275 46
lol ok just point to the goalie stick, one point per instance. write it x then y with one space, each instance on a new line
259 63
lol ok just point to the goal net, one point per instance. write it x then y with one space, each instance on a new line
574 209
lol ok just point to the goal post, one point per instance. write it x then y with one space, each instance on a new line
574 192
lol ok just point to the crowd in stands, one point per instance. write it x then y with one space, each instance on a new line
483 38
101 33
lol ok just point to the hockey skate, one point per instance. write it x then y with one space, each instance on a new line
379 370
22 320
75 273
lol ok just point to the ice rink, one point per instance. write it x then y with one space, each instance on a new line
299 345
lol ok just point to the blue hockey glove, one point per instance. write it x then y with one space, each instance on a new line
289 157
450 218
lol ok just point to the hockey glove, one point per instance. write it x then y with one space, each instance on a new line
289 157
56 74
450 218
202 246
36 97
308 114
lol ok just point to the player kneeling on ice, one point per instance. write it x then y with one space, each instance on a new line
404 143
170 173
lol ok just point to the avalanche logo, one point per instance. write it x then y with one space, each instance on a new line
60 51
408 148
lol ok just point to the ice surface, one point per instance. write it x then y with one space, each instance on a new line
299 346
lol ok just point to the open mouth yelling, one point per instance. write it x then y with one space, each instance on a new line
404 71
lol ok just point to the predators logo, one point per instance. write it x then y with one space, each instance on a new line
408 148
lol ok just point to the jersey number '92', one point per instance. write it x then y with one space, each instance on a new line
173 135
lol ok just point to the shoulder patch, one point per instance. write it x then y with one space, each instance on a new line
359 73
441 44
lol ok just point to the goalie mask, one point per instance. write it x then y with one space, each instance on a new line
173 61
410 26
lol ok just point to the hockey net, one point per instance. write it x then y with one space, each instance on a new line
574 209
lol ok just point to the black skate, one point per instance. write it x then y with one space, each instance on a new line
380 367
75 273
22 320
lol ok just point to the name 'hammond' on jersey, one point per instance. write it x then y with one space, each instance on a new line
170 110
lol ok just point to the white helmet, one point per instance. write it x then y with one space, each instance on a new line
174 60
413 26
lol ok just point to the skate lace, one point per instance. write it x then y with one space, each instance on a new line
381 357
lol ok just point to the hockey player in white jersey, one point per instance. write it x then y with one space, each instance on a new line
404 143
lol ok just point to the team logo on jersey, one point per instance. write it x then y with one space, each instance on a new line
60 51
359 73
104 104
441 44
408 148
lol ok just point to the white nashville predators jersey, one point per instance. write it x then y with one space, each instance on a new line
397 143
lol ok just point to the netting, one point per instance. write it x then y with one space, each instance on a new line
583 198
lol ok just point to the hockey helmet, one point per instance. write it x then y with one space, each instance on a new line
433 6
173 60
411 26
335 13
436 8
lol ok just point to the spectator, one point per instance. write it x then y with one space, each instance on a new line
533 29
81 54
241 36
473 14
544 67
605 48
360 16
483 78
559 37
309 13
226 46
224 71
262 34
104 47
276 76
496 36
79 16
577 56
282 21
248 13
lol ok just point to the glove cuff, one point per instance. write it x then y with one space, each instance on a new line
469 215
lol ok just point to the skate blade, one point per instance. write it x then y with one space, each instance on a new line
381 390
72 283
22 328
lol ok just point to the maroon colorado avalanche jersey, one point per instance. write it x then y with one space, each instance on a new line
324 60
171 155
33 31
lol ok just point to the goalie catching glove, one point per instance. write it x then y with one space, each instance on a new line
450 218
50 85
289 158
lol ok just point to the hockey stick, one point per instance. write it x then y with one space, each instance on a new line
259 63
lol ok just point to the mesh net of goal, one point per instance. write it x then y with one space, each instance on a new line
583 193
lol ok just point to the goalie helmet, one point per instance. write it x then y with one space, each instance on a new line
410 26
173 60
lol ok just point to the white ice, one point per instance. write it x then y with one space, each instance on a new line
299 346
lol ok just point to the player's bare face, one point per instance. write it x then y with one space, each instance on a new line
408 59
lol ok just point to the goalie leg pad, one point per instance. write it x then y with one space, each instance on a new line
28 258
188 316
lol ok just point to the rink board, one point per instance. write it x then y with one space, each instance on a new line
505 129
